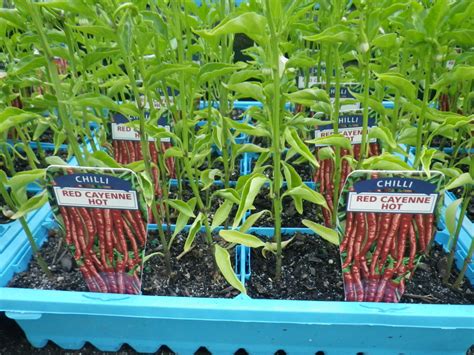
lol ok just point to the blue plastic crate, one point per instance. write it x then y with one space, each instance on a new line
15 250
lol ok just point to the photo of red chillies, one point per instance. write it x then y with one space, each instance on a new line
324 176
107 245
379 251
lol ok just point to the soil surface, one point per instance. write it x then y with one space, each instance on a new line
193 275
290 216
311 270
23 164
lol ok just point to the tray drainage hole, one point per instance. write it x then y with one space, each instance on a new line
202 351
241 351
319 353
360 353
280 352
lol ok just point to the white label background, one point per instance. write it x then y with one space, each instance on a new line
83 201
354 134
376 206
124 133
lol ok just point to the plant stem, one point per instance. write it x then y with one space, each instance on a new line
424 107
34 247
467 261
365 114
337 162
454 243
145 148
276 122
54 77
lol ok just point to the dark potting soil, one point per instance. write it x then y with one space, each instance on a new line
23 164
194 275
66 274
236 114
188 194
426 286
311 270
289 216
304 170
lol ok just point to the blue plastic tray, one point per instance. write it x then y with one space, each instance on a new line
225 325
15 250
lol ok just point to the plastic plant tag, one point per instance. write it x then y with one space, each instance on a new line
127 146
104 218
387 221
350 125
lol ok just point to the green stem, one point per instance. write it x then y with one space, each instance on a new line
145 148
335 119
54 78
276 122
454 242
467 261
26 147
365 114
424 107
34 247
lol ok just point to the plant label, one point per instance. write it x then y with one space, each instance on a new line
389 224
121 131
350 125
104 219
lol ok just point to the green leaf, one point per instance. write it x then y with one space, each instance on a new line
426 158
385 135
308 97
389 40
222 214
32 204
308 194
212 71
173 152
334 34
400 83
326 233
183 219
181 206
294 140
105 159
451 212
249 23
462 180
248 89
208 177
95 100
458 74
251 189
249 240
250 220
337 140
251 148
222 258
12 116
432 21
195 227
386 161
24 178
13 17
256 131
55 160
